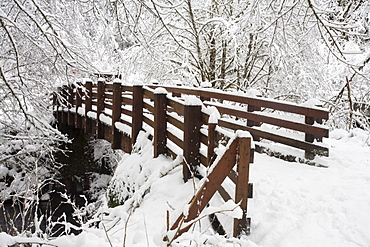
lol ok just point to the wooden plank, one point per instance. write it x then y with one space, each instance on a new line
126 100
204 139
223 193
175 139
88 106
306 128
205 118
109 87
116 115
137 112
207 190
203 160
233 176
70 96
160 124
148 121
192 125
78 104
148 106
149 93
126 112
127 88
258 102
241 190
126 122
320 150
109 96
175 122
212 143
179 107
108 105
100 107
309 137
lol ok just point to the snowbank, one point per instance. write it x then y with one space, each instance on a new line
293 204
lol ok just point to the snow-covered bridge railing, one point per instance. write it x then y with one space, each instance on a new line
252 112
188 124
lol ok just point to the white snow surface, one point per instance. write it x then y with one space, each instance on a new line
293 205
191 100
160 90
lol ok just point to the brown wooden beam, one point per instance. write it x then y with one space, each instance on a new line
137 112
192 125
160 124
116 114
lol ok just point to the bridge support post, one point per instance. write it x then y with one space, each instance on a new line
88 106
116 114
64 95
192 125
211 143
308 154
137 111
160 124
58 104
70 120
244 155
78 118
100 107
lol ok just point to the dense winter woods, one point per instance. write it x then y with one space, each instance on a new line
315 51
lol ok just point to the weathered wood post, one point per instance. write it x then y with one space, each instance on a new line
70 116
160 122
55 105
88 106
308 154
100 107
59 115
116 113
211 143
137 111
212 136
242 186
78 118
192 125
64 99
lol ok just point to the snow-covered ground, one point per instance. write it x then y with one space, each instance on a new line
293 204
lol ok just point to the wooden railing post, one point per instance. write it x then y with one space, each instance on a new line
241 191
70 120
100 107
116 113
192 125
78 118
59 115
137 111
64 98
211 143
308 154
88 106
160 123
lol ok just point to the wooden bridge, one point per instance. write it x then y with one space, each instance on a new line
191 123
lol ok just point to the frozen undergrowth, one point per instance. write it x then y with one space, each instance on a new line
293 204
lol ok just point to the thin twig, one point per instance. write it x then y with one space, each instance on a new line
106 234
